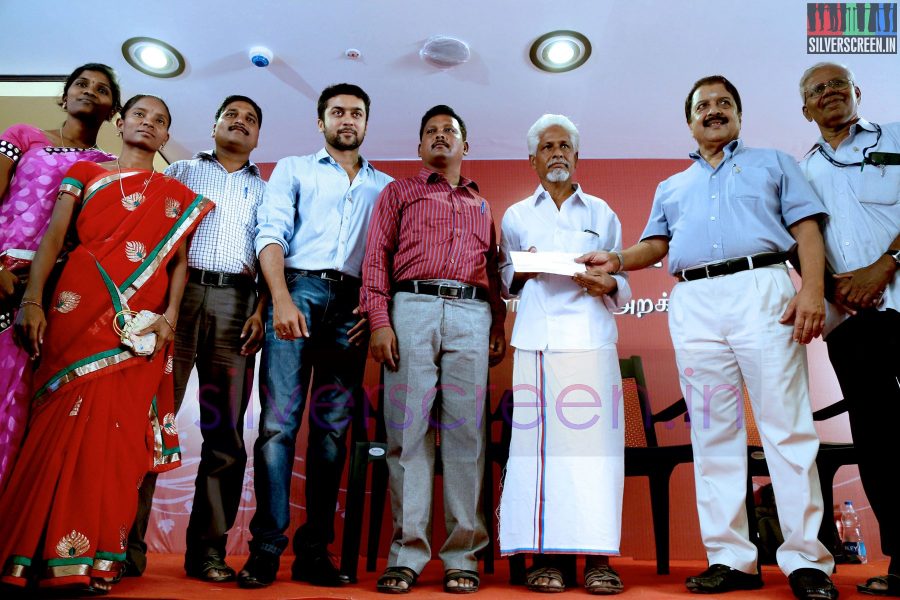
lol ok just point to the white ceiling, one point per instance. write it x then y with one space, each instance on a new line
627 99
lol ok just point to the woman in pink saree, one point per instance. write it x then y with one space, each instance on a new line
102 415
32 165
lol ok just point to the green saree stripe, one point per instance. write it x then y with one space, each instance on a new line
82 367
102 183
78 560
20 560
110 556
113 292
70 181
154 258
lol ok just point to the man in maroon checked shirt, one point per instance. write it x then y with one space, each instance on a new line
431 293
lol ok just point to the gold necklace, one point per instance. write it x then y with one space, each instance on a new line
74 145
132 201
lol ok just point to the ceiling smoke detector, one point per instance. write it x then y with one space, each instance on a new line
444 51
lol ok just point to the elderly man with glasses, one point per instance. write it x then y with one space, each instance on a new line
855 169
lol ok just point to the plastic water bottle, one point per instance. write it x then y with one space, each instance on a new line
854 546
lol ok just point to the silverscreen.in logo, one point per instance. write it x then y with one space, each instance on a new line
851 28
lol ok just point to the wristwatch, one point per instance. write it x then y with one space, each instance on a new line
895 254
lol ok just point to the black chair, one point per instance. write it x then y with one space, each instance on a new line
831 457
364 452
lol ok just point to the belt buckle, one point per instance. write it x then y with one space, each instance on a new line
712 276
327 276
216 280
449 292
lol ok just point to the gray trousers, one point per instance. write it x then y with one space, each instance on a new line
443 346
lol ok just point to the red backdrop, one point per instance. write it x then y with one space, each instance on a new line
628 186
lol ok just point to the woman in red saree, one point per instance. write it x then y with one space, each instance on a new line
102 416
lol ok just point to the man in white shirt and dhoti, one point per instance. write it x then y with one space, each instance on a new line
562 493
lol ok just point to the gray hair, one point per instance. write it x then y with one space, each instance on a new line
547 121
807 75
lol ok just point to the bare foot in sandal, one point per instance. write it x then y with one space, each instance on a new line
396 580
600 578
545 579
460 581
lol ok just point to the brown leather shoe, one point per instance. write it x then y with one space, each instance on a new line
722 578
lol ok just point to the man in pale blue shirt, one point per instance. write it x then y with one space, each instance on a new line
855 169
728 223
310 239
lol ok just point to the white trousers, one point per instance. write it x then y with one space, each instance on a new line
726 334
562 492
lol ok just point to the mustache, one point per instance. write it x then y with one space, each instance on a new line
720 118
558 163
239 128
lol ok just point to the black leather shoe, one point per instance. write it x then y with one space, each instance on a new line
722 578
812 584
213 569
259 571
318 568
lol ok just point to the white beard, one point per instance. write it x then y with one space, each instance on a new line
558 175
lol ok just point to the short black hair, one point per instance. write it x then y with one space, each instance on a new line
342 89
442 109
239 98
113 84
710 80
134 99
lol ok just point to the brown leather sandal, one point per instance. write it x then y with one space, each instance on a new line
552 574
602 579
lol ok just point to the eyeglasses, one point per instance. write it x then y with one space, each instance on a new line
835 84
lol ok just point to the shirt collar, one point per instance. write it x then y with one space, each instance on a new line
731 148
428 176
323 156
861 124
211 155
541 194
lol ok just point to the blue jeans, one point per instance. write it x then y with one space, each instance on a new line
334 367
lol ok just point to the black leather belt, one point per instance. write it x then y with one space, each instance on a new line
732 265
449 291
218 279
327 274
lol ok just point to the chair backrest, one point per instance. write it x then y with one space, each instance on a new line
753 438
639 429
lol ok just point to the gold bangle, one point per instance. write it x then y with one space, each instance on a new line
34 302
168 322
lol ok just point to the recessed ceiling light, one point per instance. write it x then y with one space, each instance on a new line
560 51
153 57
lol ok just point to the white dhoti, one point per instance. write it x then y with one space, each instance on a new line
563 487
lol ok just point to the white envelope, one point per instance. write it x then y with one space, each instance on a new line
558 263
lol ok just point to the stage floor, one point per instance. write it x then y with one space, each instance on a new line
165 579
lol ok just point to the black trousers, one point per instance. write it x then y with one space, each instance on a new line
865 353
208 336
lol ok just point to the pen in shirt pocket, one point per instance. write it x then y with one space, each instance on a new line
483 205
245 191
591 231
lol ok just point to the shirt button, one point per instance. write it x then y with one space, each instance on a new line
712 218
846 243
715 245
713 196
451 261
713 176
855 149
458 234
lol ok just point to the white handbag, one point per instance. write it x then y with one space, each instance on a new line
142 345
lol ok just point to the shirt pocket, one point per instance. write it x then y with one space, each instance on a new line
577 241
879 187
753 183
